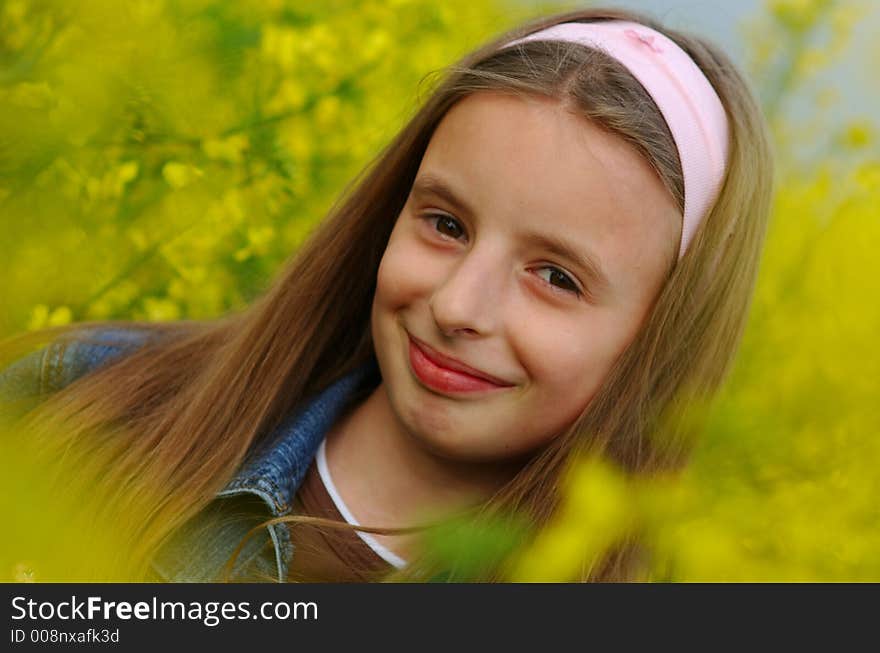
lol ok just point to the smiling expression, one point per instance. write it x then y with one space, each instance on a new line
529 251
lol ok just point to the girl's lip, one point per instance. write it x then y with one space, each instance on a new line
447 374
453 364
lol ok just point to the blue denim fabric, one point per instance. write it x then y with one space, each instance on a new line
263 488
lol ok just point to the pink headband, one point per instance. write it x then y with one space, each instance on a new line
685 97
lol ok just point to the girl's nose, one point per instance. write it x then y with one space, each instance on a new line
467 301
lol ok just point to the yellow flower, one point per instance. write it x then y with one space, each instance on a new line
42 317
161 309
327 111
229 149
179 174
858 135
598 506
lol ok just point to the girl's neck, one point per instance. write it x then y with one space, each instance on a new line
388 479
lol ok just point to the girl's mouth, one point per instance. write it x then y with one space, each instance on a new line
442 379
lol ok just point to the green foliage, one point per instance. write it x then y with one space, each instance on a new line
160 160
461 547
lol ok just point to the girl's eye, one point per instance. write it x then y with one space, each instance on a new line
564 282
446 225
558 280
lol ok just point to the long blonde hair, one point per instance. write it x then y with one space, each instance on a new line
179 416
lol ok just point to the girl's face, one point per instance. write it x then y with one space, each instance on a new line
530 249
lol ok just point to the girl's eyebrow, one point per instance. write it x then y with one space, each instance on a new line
598 280
431 185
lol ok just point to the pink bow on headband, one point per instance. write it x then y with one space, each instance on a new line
647 39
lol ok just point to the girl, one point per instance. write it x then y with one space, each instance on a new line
559 246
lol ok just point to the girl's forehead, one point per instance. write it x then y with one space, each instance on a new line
541 156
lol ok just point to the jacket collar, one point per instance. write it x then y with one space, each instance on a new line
277 470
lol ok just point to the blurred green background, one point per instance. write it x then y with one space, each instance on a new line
160 160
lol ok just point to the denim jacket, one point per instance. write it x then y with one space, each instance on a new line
263 488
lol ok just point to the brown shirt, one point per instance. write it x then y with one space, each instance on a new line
325 555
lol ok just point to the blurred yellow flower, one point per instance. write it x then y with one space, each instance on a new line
160 309
228 149
179 174
41 317
327 111
598 507
858 134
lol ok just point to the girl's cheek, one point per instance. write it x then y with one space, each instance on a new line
401 276
409 267
556 349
